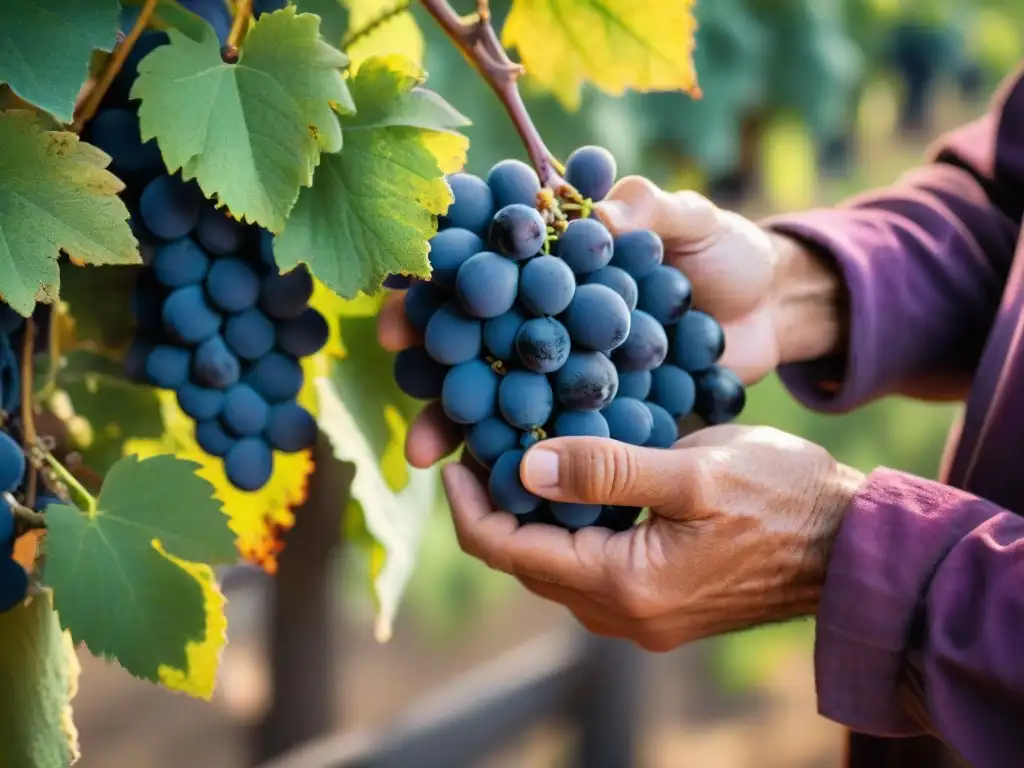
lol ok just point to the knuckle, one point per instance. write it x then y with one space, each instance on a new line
603 473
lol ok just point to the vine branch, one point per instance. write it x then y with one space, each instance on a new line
28 423
243 12
374 24
476 38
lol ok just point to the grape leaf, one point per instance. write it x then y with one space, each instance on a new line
373 207
645 45
55 194
400 32
250 133
116 573
39 678
45 47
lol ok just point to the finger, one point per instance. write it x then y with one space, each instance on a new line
542 553
594 470
747 344
393 331
556 593
431 437
637 203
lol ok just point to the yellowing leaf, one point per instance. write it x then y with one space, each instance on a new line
644 45
398 34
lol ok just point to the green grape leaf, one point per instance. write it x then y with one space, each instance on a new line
55 194
615 45
124 575
39 677
250 133
46 45
373 207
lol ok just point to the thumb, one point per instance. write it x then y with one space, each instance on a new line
638 203
595 470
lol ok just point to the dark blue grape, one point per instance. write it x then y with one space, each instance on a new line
597 318
199 403
12 463
697 341
167 366
512 182
619 280
418 374
591 170
664 430
581 424
665 294
116 132
250 334
452 336
422 300
629 420
518 231
179 263
506 488
449 250
188 317
634 384
286 295
304 335
487 285
211 437
245 413
572 517
219 233
490 438
214 366
118 94
720 395
525 399
673 389
586 246
638 252
170 207
276 377
13 584
290 428
232 285
249 463
543 344
546 285
499 333
587 382
646 346
215 12
473 206
470 392
134 364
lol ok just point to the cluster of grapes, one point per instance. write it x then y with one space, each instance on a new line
218 322
538 326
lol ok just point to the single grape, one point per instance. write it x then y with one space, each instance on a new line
518 231
214 366
619 280
220 233
245 413
199 403
697 341
250 334
646 346
664 430
452 336
638 252
581 424
634 384
720 395
116 132
12 463
179 263
586 246
591 170
170 207
665 294
587 382
618 518
167 366
211 437
286 295
13 584
276 377
512 182
134 364
470 392
188 318
418 374
473 206
543 344
290 428
673 389
546 285
148 298
525 399
487 285
572 517
499 333
629 420
422 300
249 463
304 335
214 12
597 318
449 249
232 285
506 488
490 438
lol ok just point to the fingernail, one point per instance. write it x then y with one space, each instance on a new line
540 467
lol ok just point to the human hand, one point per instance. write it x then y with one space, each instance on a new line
741 525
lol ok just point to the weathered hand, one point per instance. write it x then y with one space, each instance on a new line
741 525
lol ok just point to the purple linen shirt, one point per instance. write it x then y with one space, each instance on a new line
921 624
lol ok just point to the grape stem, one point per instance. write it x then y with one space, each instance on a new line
79 495
243 10
112 67
374 24
476 38
25 519
28 423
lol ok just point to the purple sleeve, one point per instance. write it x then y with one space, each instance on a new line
924 261
922 618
